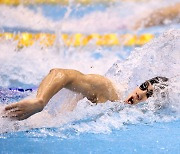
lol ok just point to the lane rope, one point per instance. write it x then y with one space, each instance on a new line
22 89
78 39
61 2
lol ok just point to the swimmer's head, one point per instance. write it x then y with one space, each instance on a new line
146 90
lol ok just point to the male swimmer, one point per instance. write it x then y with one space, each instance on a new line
96 88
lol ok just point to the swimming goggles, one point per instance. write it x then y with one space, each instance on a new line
144 86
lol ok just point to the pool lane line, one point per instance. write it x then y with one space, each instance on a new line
22 89
62 2
25 39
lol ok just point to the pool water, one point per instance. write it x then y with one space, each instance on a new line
149 127
153 138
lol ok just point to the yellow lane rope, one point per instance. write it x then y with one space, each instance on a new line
46 39
62 2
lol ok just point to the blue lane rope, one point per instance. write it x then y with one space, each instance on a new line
22 90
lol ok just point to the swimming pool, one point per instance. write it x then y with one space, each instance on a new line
104 128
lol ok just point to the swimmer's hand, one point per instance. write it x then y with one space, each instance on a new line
23 109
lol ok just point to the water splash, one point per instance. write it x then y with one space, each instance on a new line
114 18
27 68
152 59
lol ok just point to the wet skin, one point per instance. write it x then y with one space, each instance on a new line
96 88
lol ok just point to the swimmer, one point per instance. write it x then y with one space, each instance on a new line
96 88
159 16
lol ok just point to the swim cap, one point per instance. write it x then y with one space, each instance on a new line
160 86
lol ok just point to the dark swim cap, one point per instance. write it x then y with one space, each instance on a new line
157 83
158 79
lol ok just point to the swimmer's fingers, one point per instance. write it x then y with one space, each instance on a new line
11 106
22 117
11 111
17 115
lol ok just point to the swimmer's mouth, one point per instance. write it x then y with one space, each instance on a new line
131 100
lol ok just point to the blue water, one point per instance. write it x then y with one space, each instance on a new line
156 138
154 131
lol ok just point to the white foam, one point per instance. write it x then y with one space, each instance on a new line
31 64
153 59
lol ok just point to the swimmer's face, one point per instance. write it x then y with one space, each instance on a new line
140 94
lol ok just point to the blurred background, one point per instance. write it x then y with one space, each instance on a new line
37 35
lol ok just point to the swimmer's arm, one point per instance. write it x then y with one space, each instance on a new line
90 86
54 82
159 16
51 84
